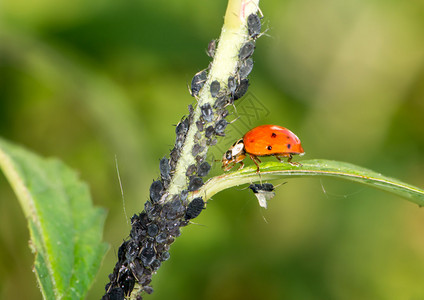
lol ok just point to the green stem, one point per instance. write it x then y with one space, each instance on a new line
276 170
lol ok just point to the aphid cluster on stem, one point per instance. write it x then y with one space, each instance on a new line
157 227
152 233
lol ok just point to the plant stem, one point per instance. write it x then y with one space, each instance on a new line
233 36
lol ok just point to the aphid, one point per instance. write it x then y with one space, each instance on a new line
196 149
194 208
221 101
265 140
161 238
222 112
148 207
132 251
115 294
211 48
165 256
127 283
207 112
190 170
203 169
241 89
232 85
195 184
211 142
247 50
148 289
147 256
155 266
245 68
122 250
263 192
214 88
152 230
199 125
156 191
209 131
164 168
112 276
190 113
137 269
197 136
182 128
200 158
173 209
220 127
183 196
197 82
254 25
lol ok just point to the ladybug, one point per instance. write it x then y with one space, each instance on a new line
265 140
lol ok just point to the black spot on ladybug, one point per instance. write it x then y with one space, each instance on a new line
269 147
214 88
195 184
253 25
288 146
247 50
273 135
194 208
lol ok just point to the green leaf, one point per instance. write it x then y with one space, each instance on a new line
317 167
65 228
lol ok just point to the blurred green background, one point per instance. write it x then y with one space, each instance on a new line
87 80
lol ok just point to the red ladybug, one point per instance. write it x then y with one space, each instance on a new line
263 140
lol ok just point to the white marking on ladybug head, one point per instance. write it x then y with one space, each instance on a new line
237 149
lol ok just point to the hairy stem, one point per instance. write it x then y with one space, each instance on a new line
233 36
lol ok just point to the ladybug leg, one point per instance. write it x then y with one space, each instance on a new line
255 160
292 162
229 166
279 158
241 165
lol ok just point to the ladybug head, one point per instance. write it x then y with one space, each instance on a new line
235 154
